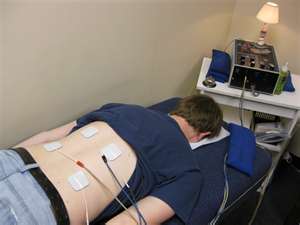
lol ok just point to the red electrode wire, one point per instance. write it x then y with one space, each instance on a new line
79 163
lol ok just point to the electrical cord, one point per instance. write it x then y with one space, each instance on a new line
225 194
85 203
132 200
241 102
86 207
120 186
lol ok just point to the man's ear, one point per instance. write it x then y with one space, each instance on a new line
198 137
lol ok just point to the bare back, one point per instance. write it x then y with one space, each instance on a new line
57 167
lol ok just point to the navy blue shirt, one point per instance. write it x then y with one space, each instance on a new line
161 146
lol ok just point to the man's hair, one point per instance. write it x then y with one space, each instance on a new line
201 112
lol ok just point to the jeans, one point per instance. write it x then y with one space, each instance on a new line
22 200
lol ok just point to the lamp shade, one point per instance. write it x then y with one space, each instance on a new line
269 13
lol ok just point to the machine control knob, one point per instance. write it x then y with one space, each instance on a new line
242 60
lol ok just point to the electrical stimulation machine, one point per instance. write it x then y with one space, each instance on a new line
257 63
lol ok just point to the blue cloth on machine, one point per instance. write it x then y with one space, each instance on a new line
242 148
220 66
289 84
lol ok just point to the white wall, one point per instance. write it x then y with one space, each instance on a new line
1 72
64 58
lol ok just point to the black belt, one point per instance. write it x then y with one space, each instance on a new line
58 206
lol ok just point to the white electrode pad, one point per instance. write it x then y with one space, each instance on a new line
78 181
52 146
111 151
89 132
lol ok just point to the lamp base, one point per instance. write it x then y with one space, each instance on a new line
261 42
262 35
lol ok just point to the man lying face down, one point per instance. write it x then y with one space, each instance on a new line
60 176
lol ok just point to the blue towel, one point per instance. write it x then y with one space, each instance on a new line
220 66
219 76
242 149
289 84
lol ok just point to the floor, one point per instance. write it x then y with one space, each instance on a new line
280 197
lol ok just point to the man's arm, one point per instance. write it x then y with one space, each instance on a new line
154 210
48 136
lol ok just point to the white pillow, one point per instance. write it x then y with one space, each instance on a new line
205 141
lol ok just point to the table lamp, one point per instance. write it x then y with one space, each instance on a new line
268 14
